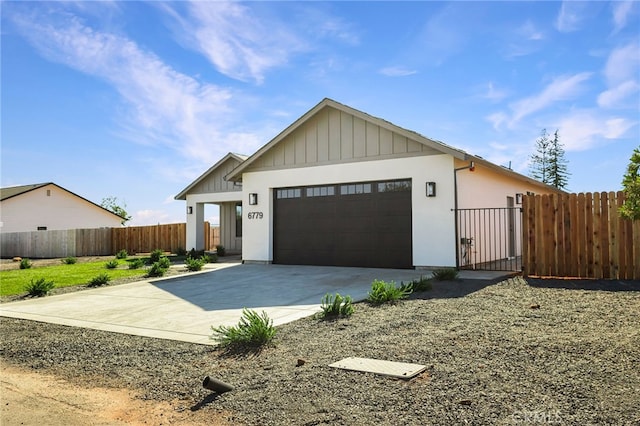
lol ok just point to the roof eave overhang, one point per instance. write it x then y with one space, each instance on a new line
182 195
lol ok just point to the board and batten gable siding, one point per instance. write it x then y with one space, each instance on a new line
215 181
334 136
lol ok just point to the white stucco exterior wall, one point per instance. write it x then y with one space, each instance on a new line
55 209
433 220
484 187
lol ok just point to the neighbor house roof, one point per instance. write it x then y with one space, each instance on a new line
15 191
236 174
239 157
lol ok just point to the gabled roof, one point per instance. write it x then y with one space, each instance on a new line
15 191
239 157
236 174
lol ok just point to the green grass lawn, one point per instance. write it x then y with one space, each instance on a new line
13 281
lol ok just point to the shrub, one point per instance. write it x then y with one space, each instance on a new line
122 254
25 264
194 264
210 258
156 255
136 264
112 264
99 280
70 260
253 330
181 251
220 250
164 262
382 292
40 287
335 306
156 270
445 274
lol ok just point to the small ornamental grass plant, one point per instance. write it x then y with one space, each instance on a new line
39 287
445 274
254 330
70 260
384 292
136 263
334 306
25 264
99 280
418 285
112 264
122 254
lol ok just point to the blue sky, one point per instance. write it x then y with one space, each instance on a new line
136 99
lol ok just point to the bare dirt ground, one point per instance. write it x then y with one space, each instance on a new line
29 398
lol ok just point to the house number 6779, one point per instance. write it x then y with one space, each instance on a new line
255 215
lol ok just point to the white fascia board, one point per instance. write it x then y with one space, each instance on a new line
217 197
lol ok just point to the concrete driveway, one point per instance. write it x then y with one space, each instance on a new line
185 307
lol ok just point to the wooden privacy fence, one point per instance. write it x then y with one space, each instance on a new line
52 244
579 235
101 241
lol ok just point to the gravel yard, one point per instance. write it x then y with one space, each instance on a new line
506 353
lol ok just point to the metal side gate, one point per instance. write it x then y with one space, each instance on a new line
489 239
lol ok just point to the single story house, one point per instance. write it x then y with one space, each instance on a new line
49 207
341 187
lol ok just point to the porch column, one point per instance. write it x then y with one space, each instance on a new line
195 225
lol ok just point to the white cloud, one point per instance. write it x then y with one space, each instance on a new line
561 88
497 119
529 31
164 107
621 12
584 129
152 217
621 74
570 16
616 95
494 94
236 40
623 63
397 71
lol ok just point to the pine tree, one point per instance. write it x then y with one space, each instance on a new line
539 168
631 183
558 173
548 164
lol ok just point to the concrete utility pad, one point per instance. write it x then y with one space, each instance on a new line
401 370
185 307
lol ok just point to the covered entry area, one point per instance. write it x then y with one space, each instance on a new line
365 224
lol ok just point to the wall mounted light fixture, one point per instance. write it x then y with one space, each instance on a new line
519 198
431 189
189 210
253 199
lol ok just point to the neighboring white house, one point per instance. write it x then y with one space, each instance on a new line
341 187
48 207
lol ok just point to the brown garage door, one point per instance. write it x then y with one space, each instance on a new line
353 224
